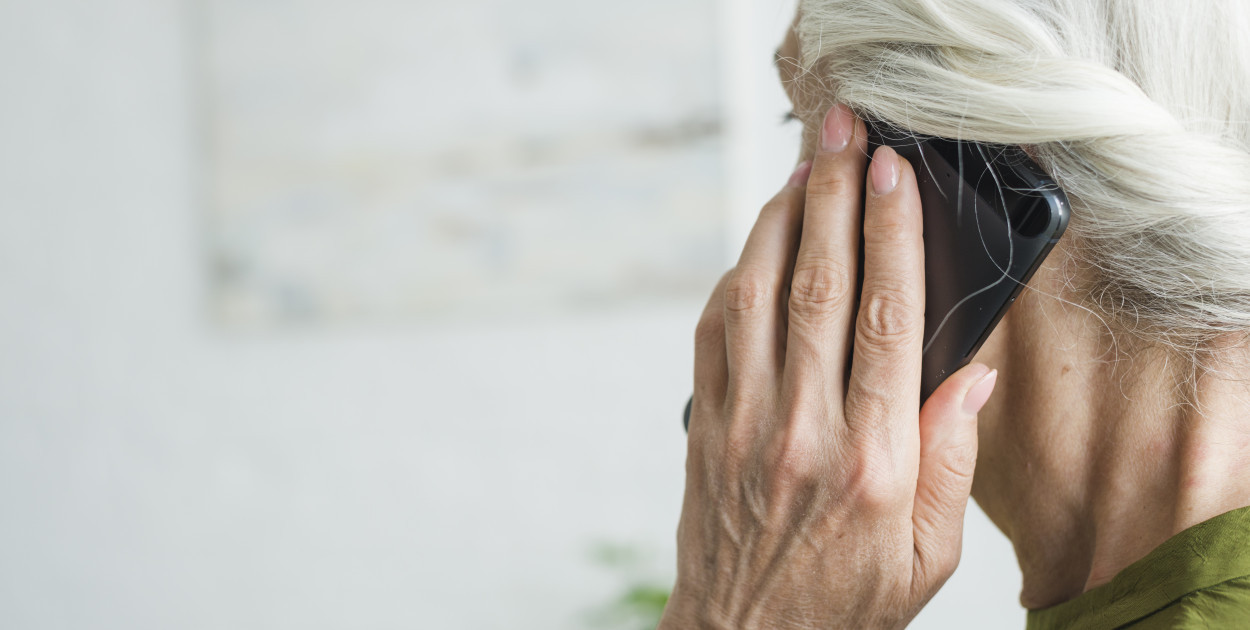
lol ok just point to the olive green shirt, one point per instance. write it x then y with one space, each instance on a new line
1199 578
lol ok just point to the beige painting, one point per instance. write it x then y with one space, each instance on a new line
381 160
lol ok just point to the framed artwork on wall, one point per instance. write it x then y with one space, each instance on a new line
380 161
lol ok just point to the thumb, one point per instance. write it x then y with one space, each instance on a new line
948 456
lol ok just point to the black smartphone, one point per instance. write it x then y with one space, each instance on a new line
991 215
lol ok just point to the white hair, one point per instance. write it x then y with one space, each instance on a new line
1140 109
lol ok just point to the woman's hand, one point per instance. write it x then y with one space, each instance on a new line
818 493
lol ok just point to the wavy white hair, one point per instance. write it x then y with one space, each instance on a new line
1140 109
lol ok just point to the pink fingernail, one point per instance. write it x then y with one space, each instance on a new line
979 393
835 134
884 170
801 173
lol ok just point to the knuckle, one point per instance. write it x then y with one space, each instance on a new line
709 332
869 403
743 409
783 203
875 484
938 564
739 446
747 291
837 183
888 318
947 563
743 403
696 448
890 227
794 454
820 286
958 463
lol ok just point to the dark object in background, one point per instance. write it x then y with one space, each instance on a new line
991 215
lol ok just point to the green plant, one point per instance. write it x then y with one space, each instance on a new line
643 597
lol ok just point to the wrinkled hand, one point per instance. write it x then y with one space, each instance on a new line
818 493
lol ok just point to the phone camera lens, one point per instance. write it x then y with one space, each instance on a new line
1029 216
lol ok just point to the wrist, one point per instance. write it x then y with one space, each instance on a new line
680 613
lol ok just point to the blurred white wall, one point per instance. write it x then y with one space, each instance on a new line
156 472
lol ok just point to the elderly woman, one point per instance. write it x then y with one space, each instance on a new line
1115 450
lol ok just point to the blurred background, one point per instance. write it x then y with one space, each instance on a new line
372 313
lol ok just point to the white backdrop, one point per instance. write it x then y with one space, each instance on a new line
158 473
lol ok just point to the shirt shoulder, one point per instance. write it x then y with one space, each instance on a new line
1199 578
1225 605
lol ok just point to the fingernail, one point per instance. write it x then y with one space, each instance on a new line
884 170
837 130
979 393
801 173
